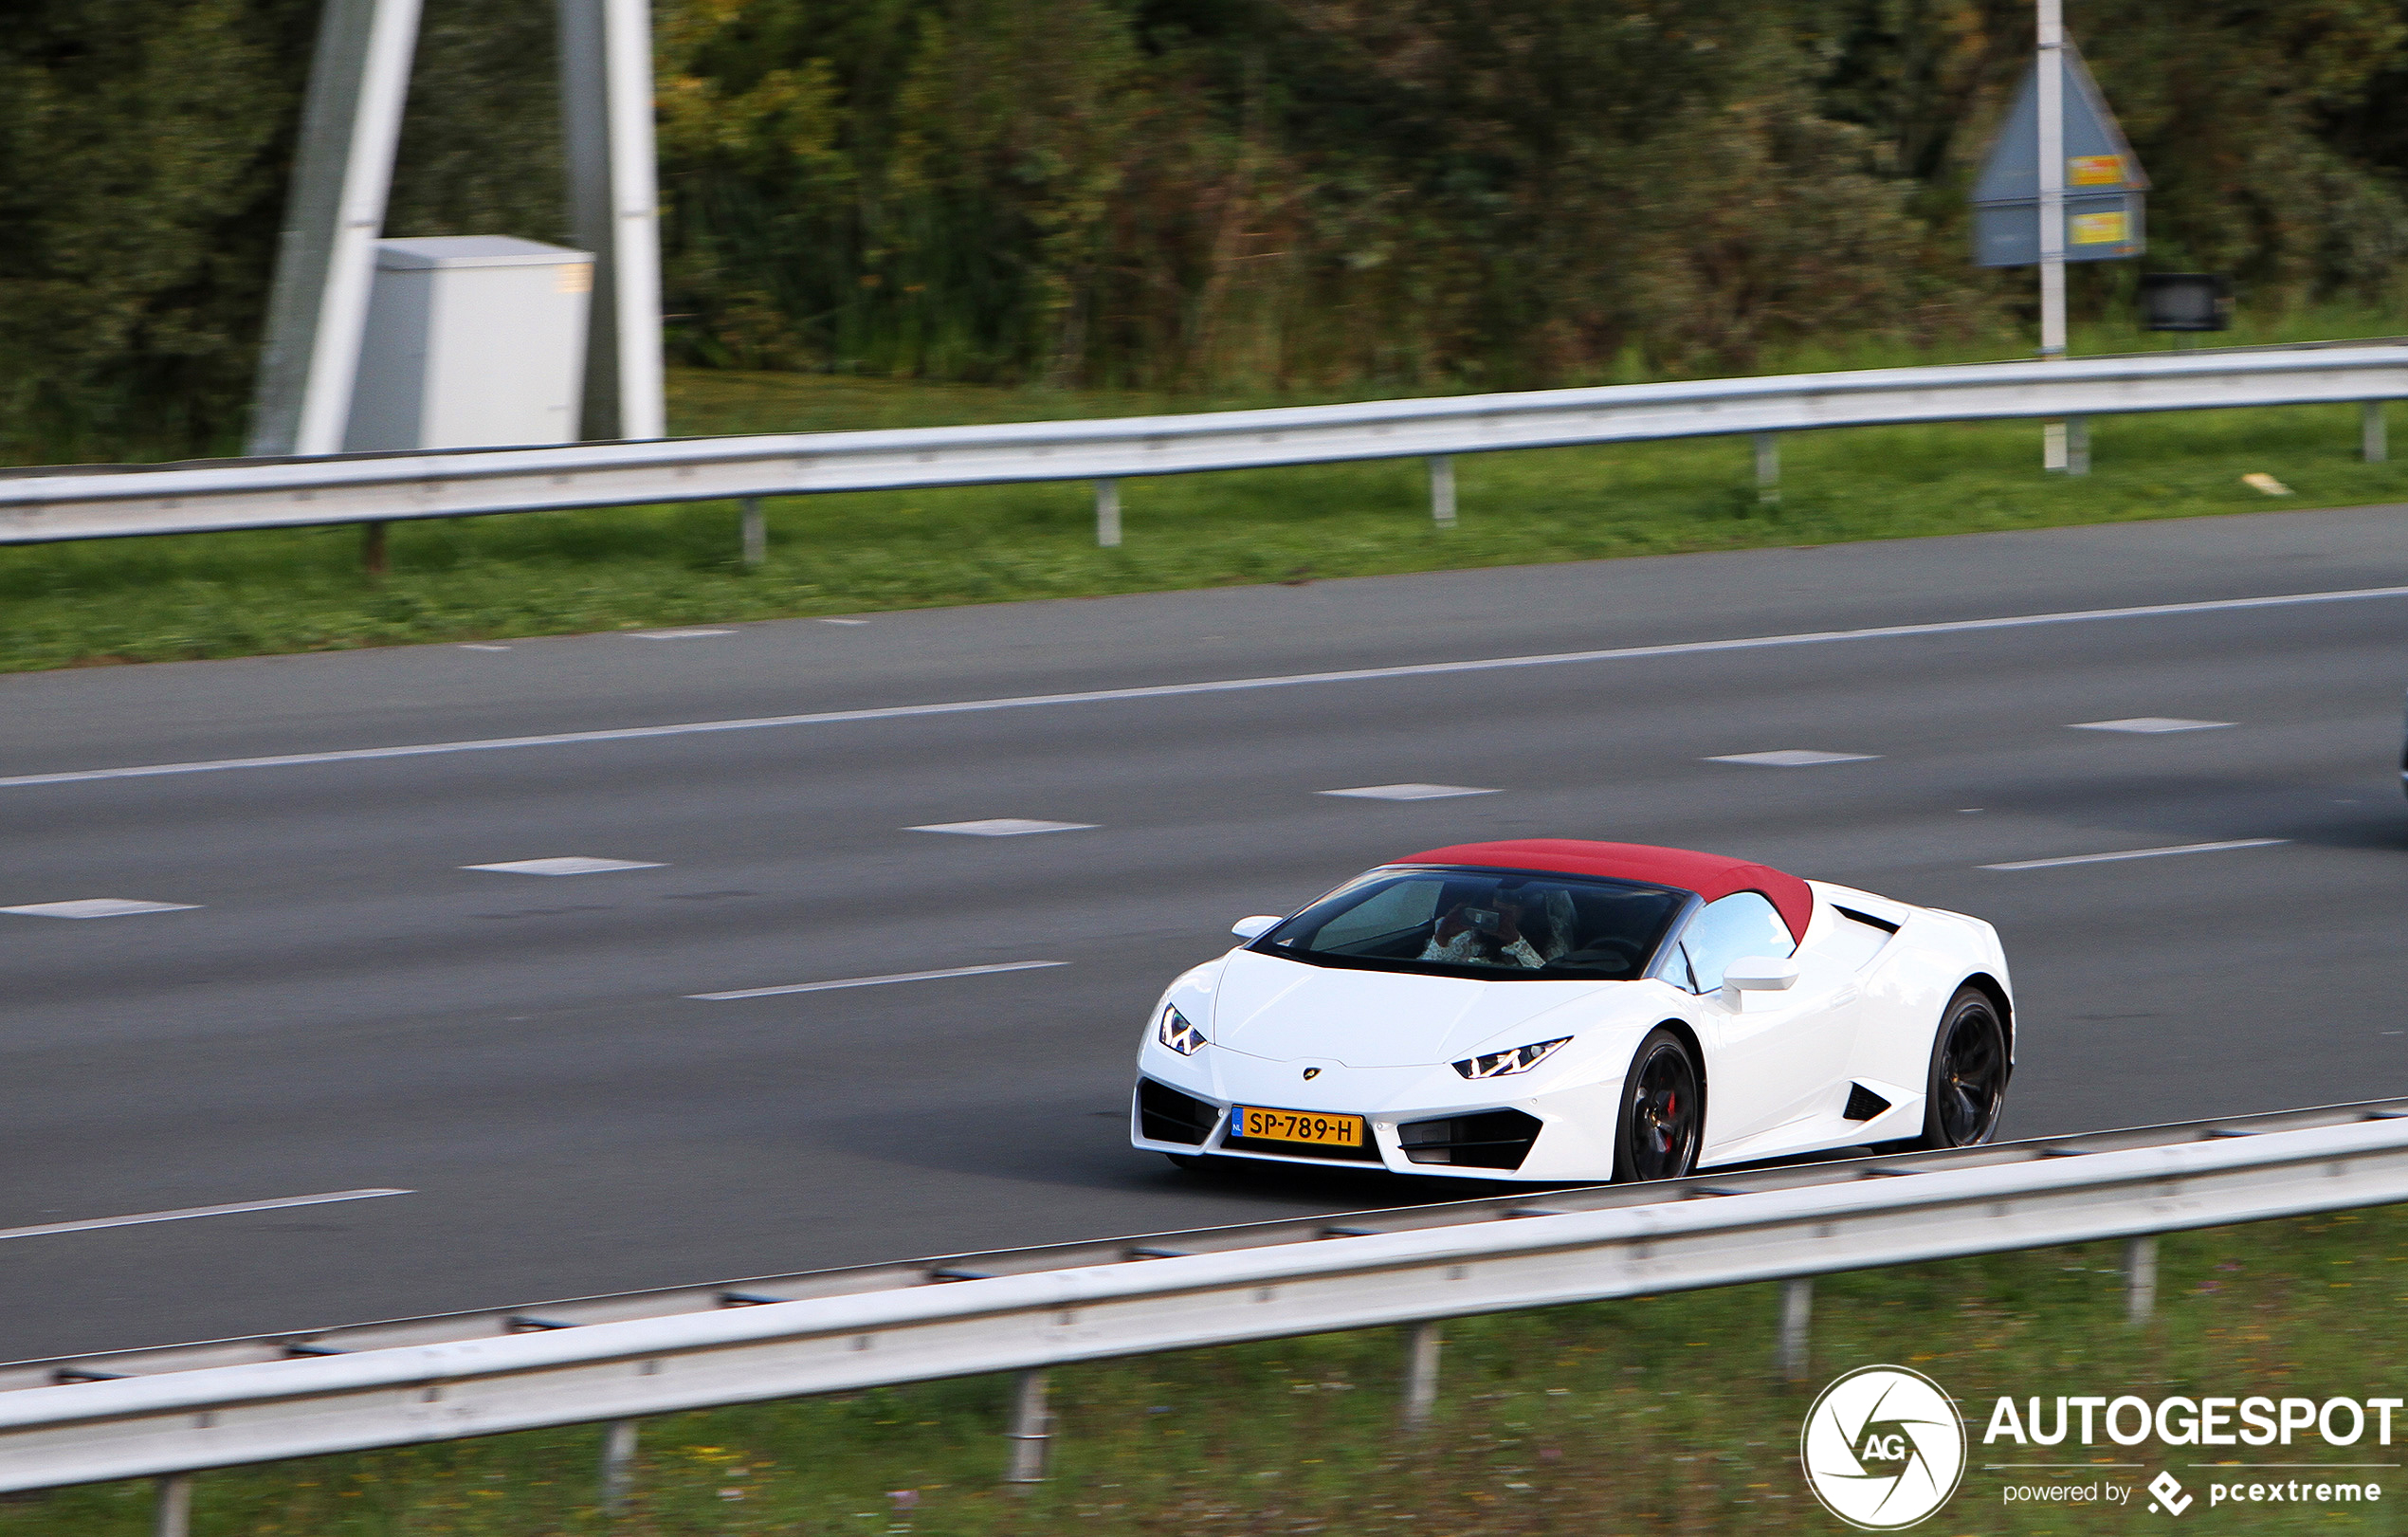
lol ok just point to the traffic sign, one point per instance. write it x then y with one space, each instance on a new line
2105 187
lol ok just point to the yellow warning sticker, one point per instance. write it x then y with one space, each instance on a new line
573 278
2093 169
2098 229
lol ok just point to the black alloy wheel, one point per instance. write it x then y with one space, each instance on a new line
1968 1073
1662 1118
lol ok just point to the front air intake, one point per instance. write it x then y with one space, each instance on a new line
1164 1114
1492 1140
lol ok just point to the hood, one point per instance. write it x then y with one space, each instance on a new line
1286 1010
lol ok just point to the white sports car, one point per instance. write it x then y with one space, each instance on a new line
1550 1009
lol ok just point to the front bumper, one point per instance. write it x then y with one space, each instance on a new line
1494 1141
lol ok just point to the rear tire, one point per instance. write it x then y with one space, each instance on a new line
1663 1120
1966 1086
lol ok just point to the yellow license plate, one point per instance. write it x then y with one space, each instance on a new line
1298 1127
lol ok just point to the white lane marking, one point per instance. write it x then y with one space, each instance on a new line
843 621
1182 691
2148 725
873 982
679 634
99 907
2141 854
1407 791
472 645
232 1208
572 865
1794 758
1003 826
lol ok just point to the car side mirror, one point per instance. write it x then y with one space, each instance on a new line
1758 974
1254 928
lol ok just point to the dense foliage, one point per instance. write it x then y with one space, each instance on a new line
1179 194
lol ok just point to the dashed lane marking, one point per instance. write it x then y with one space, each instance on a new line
2149 725
1794 758
1408 791
872 982
99 907
2139 853
1003 826
570 865
232 1208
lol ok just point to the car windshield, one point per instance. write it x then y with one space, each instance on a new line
1492 925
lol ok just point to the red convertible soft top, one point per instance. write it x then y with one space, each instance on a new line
1708 875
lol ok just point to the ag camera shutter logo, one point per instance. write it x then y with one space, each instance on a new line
1883 1448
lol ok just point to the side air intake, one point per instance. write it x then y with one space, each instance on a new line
1863 1104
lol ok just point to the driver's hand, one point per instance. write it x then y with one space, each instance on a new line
1452 924
1508 924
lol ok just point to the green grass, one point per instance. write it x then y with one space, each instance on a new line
1656 1416
228 594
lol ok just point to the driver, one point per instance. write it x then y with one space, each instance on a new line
1474 935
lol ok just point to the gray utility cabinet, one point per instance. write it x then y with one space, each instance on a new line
472 341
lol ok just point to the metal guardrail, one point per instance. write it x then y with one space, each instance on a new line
100 503
1409 1266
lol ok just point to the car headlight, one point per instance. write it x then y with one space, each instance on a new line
1177 1034
1502 1064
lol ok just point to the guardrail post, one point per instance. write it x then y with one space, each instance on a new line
1107 515
2052 447
756 533
618 1466
172 1515
1032 1423
1421 1374
2077 446
1442 490
1798 1312
1768 470
2140 1279
2370 433
371 549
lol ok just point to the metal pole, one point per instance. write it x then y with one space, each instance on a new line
2052 83
1107 515
2140 1279
171 1512
1421 1374
371 549
2077 446
2052 210
618 1466
605 107
1030 1427
756 533
1798 1312
1442 490
326 255
1768 470
2370 435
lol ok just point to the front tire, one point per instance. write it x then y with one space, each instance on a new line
1967 1084
1662 1120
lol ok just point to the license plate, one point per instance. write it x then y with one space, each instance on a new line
1296 1126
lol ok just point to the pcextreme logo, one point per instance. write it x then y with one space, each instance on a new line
1883 1448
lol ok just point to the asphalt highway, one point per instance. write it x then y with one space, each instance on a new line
337 1000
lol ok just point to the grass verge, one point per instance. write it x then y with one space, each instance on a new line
1654 1416
241 593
